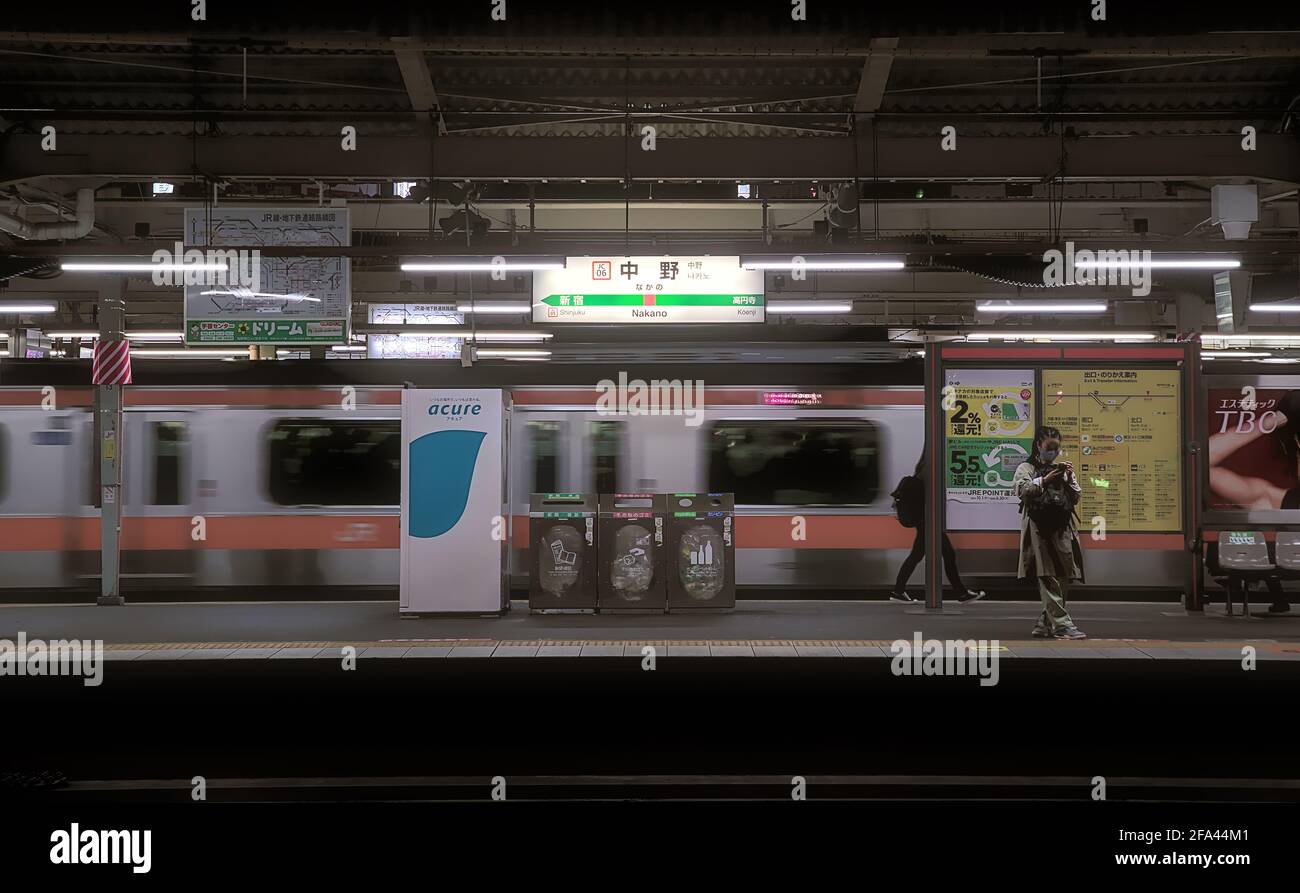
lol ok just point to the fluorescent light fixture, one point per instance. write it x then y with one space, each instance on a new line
1060 336
1275 308
191 353
810 307
1213 263
27 308
4 353
1246 339
239 291
137 266
1227 315
143 335
1232 354
508 354
1042 307
1279 360
484 337
349 348
822 263
152 336
470 266
163 188
495 307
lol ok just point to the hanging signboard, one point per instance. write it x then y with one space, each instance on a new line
425 344
649 290
989 431
1121 429
267 300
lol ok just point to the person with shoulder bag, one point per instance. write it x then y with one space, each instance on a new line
909 506
1049 536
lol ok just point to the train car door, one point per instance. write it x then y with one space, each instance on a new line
160 465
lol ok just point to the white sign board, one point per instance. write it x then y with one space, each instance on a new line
610 289
297 299
415 344
453 547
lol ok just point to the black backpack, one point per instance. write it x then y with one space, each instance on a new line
909 501
1050 510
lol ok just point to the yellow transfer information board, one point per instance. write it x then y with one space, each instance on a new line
1121 429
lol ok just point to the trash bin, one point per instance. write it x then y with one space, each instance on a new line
631 552
563 562
701 551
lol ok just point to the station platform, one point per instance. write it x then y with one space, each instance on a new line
797 628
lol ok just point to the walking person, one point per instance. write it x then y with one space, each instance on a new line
1049 538
910 505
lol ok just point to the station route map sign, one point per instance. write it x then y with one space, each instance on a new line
988 432
226 317
1121 429
649 290
425 344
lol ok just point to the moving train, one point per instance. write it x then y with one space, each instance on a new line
251 476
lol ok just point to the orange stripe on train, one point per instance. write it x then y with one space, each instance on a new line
260 532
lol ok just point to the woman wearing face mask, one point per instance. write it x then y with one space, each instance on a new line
1053 559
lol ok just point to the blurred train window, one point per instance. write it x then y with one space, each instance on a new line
782 462
4 463
168 442
606 447
336 462
544 438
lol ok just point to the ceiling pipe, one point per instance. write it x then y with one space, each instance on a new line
69 229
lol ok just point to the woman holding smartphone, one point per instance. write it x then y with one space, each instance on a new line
1049 537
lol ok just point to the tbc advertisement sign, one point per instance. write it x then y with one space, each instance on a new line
1253 452
649 290
988 433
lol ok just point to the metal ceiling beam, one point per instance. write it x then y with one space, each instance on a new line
419 85
607 158
875 74
965 46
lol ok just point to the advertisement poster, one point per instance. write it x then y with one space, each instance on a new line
1121 429
289 300
1253 453
648 290
453 494
989 431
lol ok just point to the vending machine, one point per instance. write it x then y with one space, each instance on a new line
454 528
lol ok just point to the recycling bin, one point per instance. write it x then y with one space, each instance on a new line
701 551
631 552
562 563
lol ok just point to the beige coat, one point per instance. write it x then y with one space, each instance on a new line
1036 551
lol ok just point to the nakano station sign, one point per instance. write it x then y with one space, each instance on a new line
609 289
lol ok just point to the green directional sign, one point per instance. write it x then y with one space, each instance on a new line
653 300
